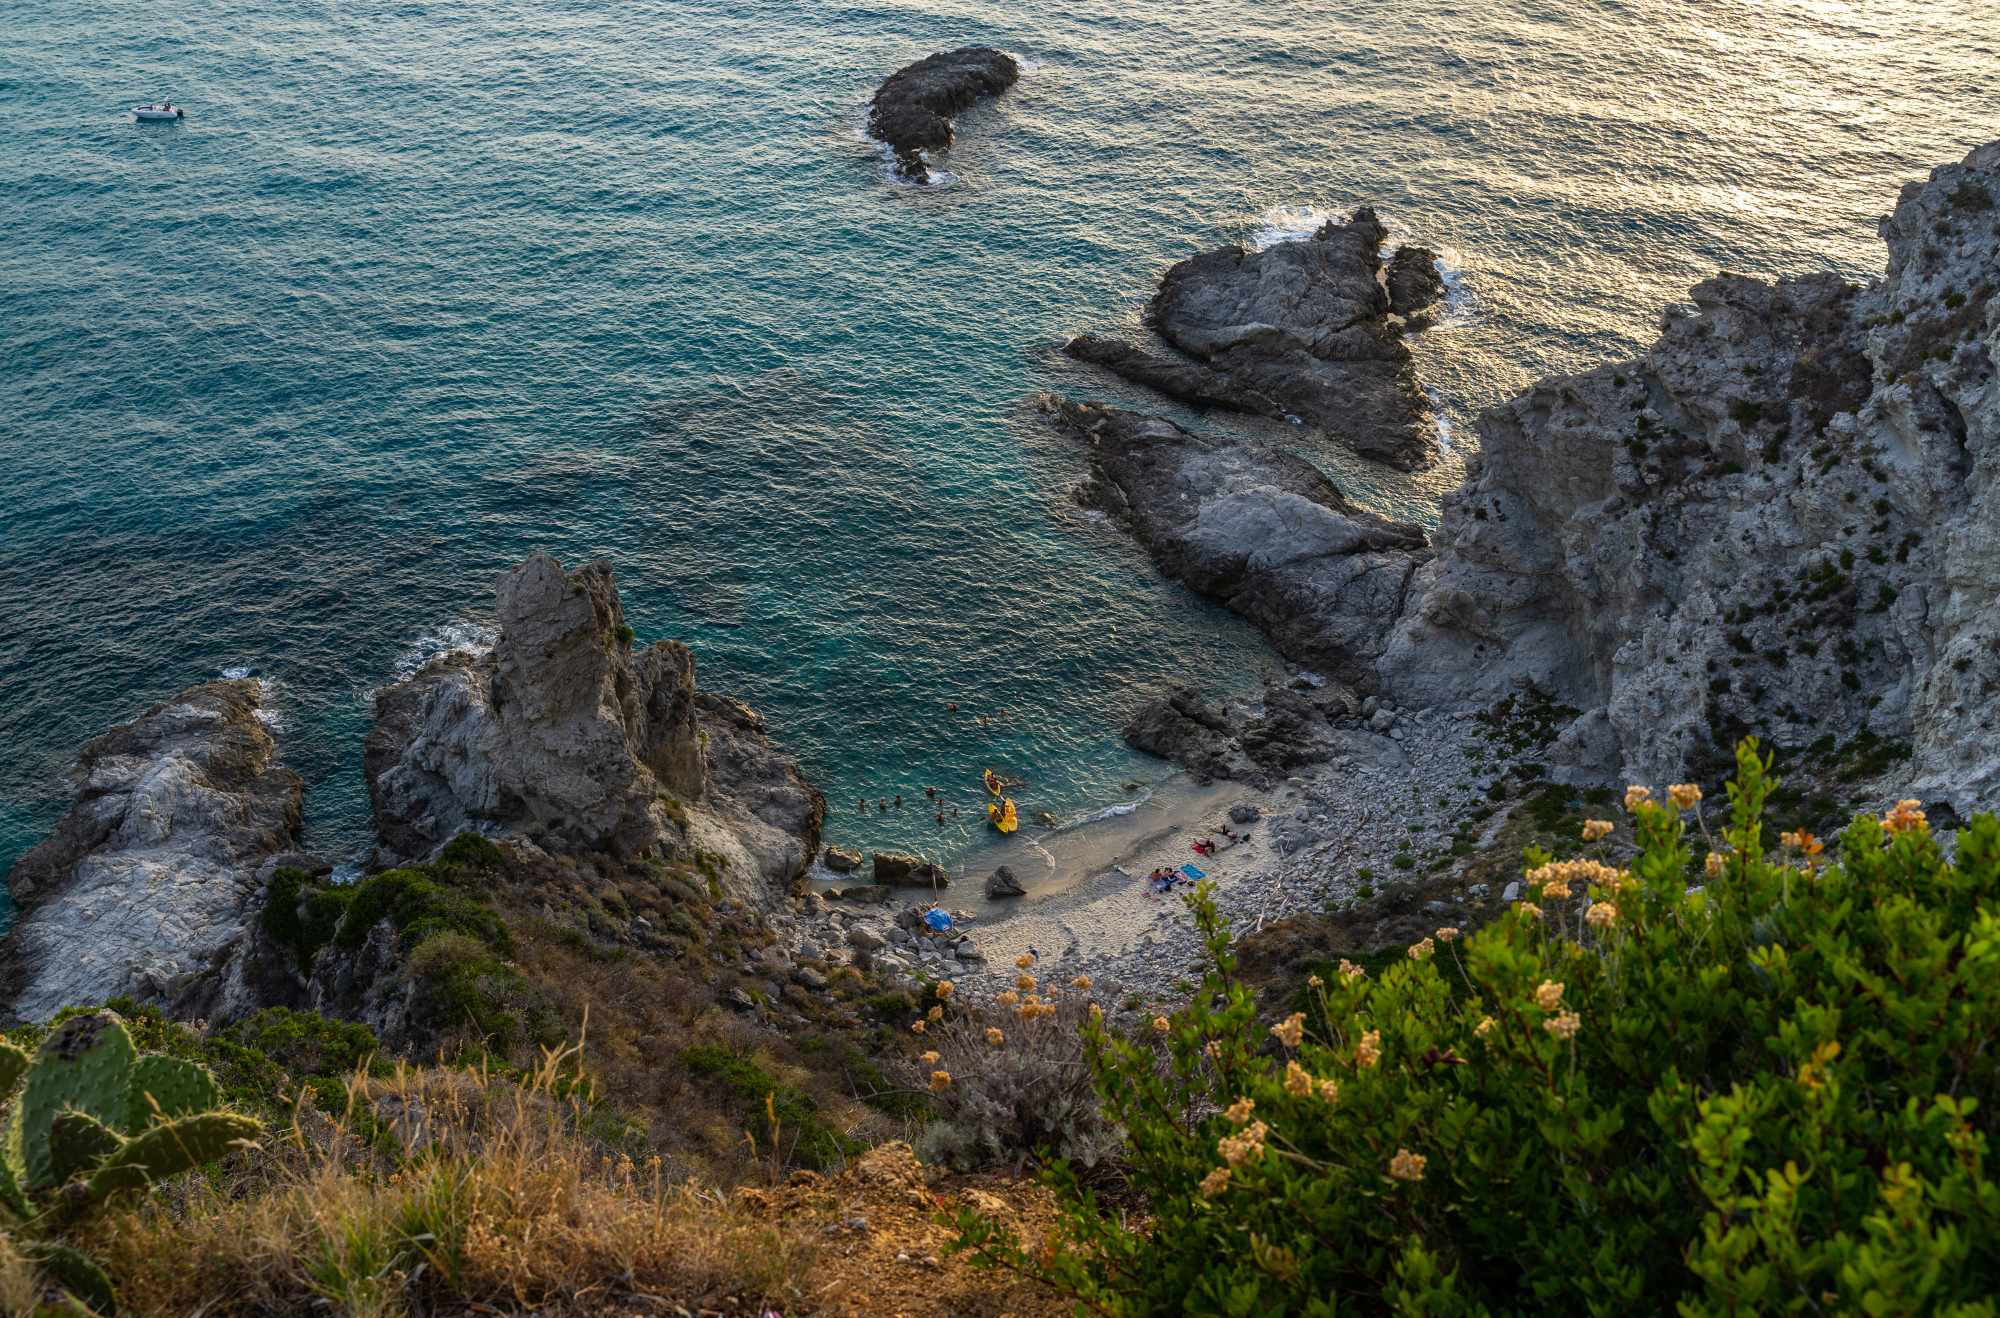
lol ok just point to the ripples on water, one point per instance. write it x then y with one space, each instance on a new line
421 286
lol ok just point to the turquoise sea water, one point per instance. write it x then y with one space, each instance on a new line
421 286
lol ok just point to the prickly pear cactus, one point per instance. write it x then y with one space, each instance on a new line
166 1087
85 1065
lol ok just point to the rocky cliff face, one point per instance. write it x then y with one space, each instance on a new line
566 735
1782 518
154 872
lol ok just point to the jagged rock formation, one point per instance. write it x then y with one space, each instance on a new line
912 109
1782 517
1304 330
179 817
1257 529
566 735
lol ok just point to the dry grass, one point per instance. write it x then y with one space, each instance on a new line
494 1200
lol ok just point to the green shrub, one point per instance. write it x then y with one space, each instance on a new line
420 907
778 1113
1774 1091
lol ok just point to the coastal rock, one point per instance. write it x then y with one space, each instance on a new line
1780 518
566 735
1180 727
158 865
842 861
1301 331
1002 883
900 870
1256 529
913 108
1413 280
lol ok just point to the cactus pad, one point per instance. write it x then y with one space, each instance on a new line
171 1148
77 1143
13 1064
84 1065
167 1087
77 1273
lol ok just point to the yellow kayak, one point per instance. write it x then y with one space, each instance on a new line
1003 816
992 780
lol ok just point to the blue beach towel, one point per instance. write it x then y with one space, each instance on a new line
1193 873
937 919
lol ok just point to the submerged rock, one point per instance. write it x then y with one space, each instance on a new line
1257 529
912 110
1414 283
161 860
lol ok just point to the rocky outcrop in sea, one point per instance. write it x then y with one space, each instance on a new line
179 818
1309 331
1257 529
913 109
570 736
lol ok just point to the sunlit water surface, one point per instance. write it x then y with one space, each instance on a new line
419 287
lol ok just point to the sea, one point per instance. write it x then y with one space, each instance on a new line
419 286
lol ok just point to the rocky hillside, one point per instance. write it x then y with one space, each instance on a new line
1779 518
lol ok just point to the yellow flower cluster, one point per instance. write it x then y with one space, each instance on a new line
945 988
1907 817
1349 972
1023 961
940 1081
1096 1012
1685 796
1596 830
994 1036
929 1058
1024 983
1240 1112
1801 840
916 1027
1601 915
1215 1183
1484 1028
1448 934
1529 909
1557 876
1246 1144
1298 1081
1081 982
1564 1026
1290 1030
935 1014
1636 796
1549 995
1369 1051
1713 865
1420 950
1314 981
1407 1166
1160 1025
1329 1091
1008 999
1033 1008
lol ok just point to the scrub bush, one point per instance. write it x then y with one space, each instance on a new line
1772 1090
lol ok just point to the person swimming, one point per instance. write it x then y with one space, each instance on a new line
899 801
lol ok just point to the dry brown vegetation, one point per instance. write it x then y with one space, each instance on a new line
479 1194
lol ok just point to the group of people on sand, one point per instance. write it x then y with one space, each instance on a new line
1207 846
1163 880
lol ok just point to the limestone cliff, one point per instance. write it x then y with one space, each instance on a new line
1782 517
159 864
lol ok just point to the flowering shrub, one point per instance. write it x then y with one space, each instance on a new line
1775 1090
1018 1082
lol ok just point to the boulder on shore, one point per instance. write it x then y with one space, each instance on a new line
160 862
1415 285
842 861
913 108
1002 883
902 870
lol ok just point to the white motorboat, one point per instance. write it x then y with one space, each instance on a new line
161 113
